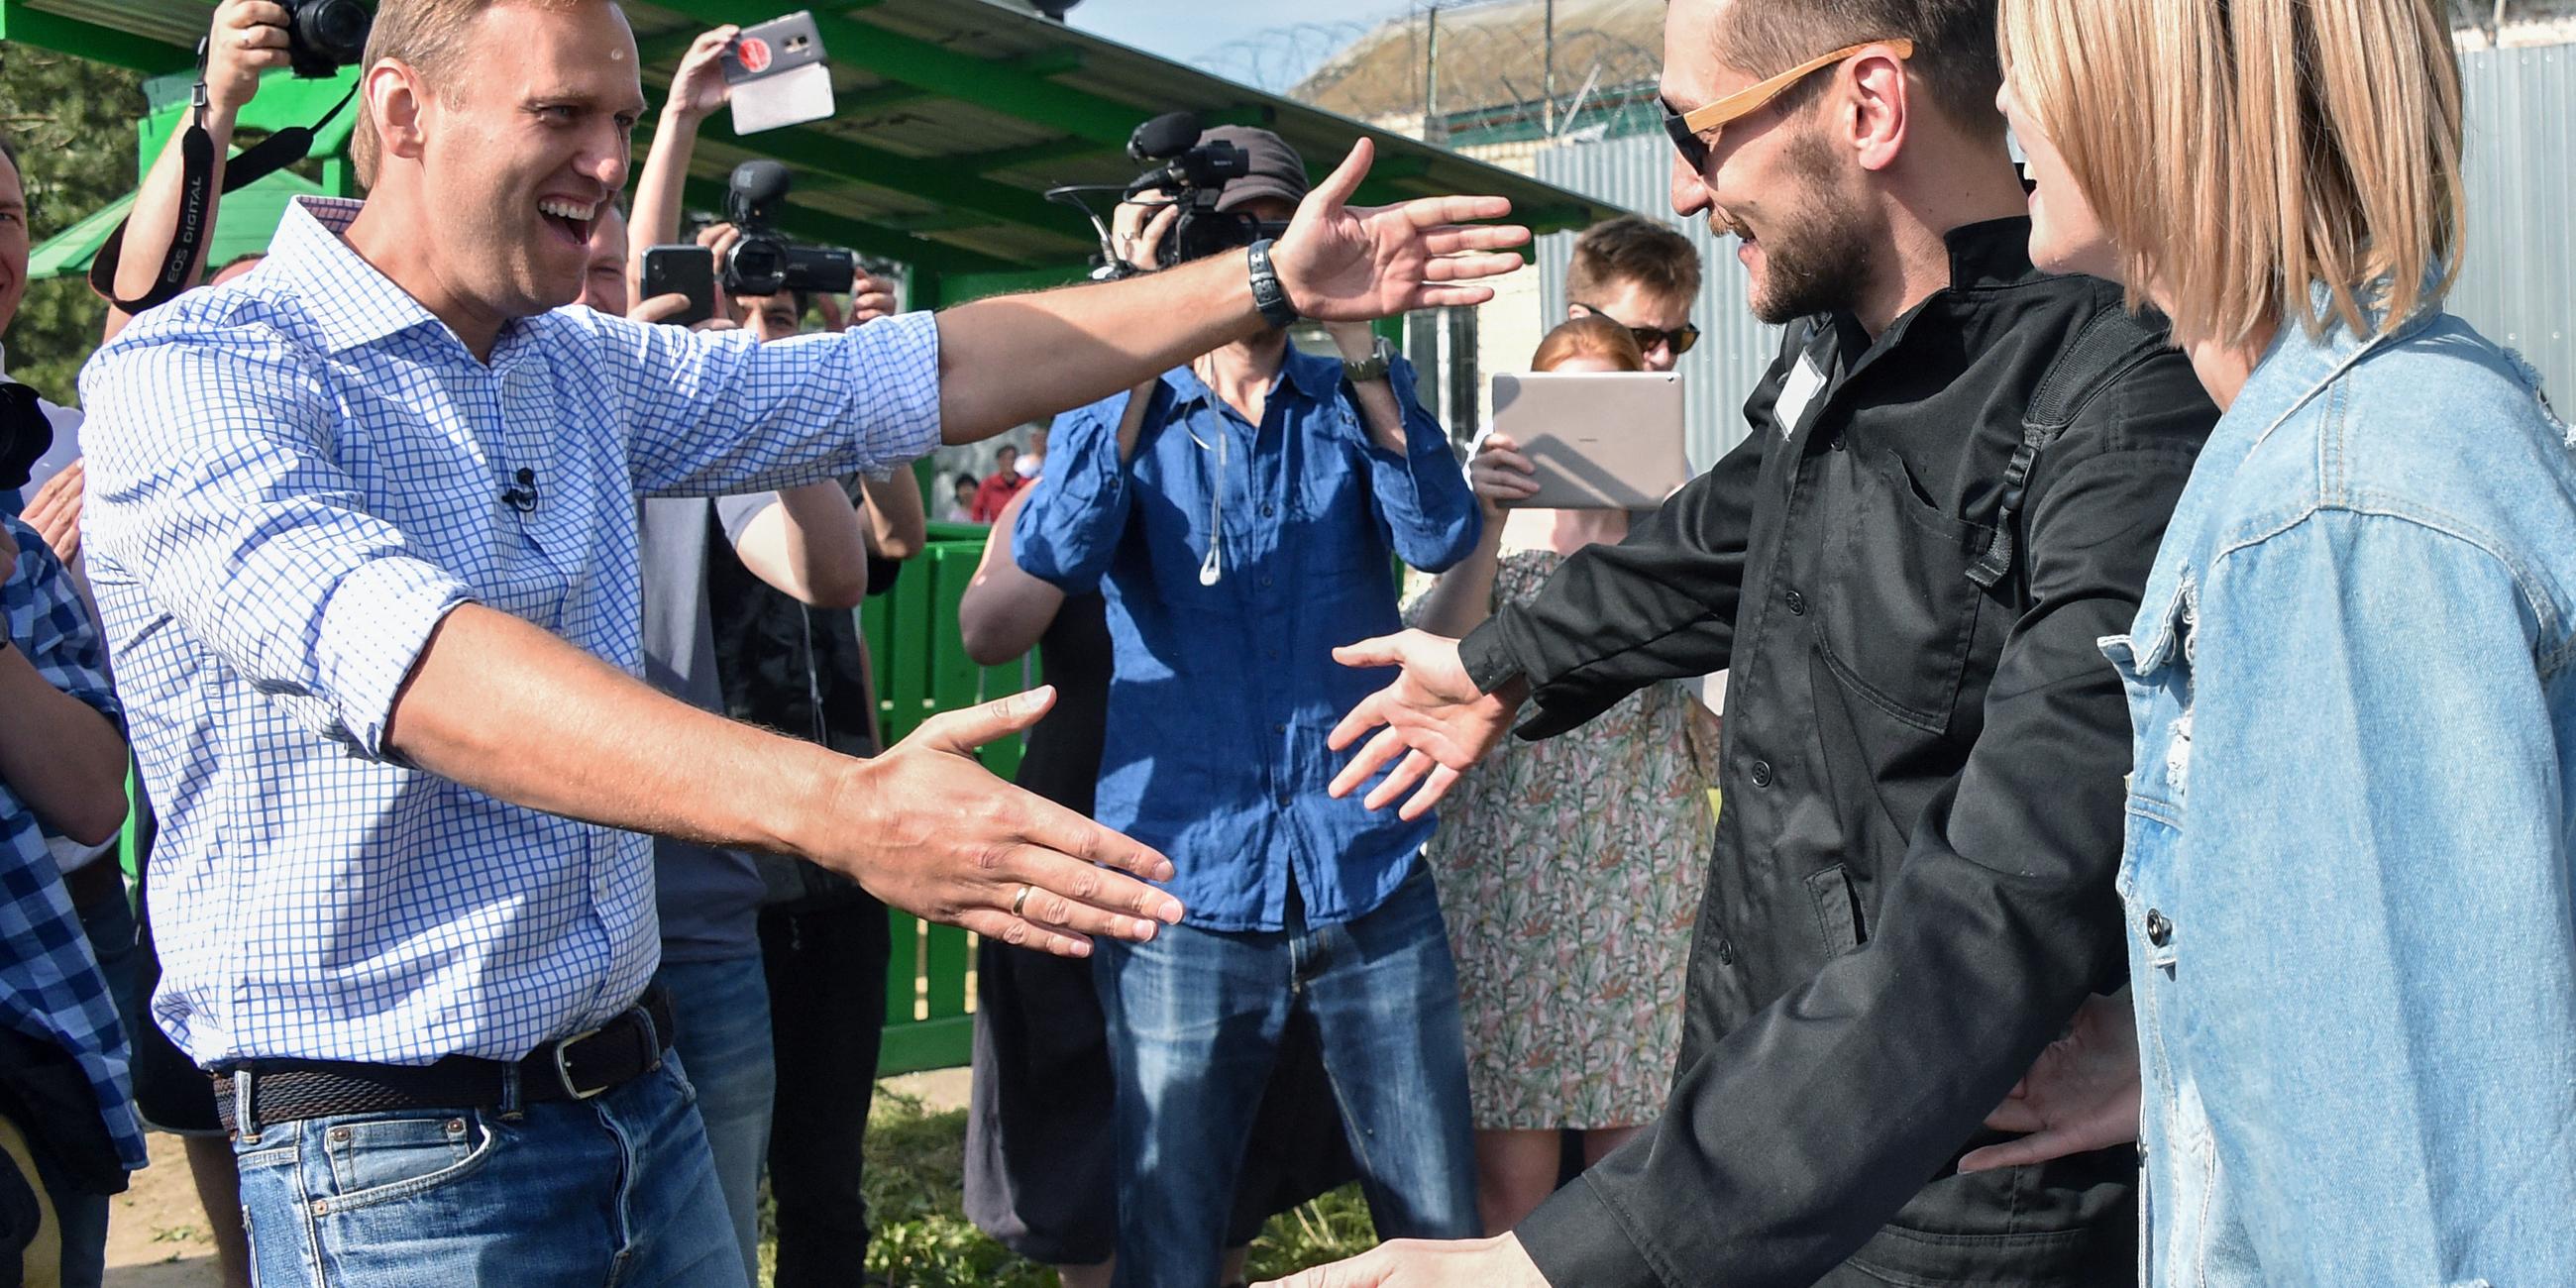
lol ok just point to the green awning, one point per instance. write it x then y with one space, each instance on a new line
243 226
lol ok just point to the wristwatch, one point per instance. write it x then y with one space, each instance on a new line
1372 367
1267 293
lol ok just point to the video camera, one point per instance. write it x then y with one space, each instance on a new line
764 262
1194 175
323 36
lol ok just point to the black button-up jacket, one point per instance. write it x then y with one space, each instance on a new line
1912 884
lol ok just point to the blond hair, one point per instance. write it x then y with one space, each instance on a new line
427 36
2241 152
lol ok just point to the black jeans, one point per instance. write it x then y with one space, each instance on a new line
827 1009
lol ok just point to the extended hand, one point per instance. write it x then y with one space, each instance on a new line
2080 1095
925 828
1416 1263
1343 264
1434 717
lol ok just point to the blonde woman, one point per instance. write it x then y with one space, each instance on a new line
1569 870
2353 675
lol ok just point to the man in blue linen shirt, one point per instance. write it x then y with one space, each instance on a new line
1239 513
363 528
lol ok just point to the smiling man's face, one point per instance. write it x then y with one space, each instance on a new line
1772 180
521 147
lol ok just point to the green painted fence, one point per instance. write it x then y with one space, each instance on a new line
921 668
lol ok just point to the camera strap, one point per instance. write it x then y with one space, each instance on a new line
196 198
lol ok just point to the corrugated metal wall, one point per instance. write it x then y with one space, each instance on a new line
2518 284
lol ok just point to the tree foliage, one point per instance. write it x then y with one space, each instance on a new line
71 122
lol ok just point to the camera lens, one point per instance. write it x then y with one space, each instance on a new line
326 35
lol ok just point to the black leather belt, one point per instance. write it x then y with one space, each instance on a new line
574 1068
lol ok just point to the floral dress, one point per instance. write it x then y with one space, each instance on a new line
1570 873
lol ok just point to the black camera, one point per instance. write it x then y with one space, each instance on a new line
765 263
323 36
25 433
1194 174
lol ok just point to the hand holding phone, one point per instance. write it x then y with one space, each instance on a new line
682 270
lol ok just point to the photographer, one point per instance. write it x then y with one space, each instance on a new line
362 526
1240 512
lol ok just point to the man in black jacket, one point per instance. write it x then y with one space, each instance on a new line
1956 477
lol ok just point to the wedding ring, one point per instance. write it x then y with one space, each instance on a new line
1021 900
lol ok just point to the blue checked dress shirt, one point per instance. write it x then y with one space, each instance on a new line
50 985
1223 694
292 479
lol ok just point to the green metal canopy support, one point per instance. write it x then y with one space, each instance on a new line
20 24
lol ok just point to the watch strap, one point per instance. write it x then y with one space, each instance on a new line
1267 294
1381 360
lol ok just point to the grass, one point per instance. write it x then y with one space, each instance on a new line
914 1183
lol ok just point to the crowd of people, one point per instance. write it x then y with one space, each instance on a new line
2150 621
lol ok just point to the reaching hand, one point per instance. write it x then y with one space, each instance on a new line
1344 264
1137 229
869 300
1434 717
699 87
2079 1096
54 511
1500 474
1498 1262
248 37
926 828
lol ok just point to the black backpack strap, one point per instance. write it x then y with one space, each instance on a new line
2106 347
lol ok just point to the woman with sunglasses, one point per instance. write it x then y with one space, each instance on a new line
2351 910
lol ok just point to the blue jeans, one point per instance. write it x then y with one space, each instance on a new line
720 1026
1195 1019
618 1190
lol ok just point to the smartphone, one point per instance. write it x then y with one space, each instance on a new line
778 74
682 270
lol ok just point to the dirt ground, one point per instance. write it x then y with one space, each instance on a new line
156 1232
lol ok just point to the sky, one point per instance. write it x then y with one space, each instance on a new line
1184 30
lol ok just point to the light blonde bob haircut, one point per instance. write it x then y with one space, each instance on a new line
2240 151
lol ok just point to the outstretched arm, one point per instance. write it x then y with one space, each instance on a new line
697 90
1007 361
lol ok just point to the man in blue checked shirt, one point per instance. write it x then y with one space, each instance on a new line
65 1104
1240 513
363 529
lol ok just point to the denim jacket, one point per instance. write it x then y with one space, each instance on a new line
2351 911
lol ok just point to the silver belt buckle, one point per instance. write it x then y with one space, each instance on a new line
563 1071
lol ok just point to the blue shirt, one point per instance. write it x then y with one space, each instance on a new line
50 985
1214 751
2349 873
293 478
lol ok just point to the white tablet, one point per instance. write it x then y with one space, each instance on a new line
1599 440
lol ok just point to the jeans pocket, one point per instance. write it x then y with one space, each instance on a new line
379 1160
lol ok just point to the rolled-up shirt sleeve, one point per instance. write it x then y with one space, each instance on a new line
1076 513
212 482
715 413
1425 509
